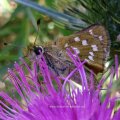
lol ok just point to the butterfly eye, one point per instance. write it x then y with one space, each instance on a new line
5 43
38 50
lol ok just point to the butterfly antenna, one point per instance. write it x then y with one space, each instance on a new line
7 44
38 23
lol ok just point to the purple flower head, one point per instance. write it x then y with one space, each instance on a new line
51 100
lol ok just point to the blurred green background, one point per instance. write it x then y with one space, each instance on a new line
18 29
18 26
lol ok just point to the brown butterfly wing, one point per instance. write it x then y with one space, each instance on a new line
60 65
92 44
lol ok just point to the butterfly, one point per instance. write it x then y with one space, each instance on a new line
91 44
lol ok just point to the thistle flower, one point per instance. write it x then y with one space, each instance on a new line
49 101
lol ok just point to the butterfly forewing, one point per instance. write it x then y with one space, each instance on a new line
91 44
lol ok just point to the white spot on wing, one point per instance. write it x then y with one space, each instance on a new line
100 38
76 50
84 42
91 32
66 45
91 53
94 47
87 60
77 39
96 36
105 50
90 58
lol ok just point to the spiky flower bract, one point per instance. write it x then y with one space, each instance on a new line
50 101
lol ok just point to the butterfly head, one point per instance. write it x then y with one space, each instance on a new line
38 50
